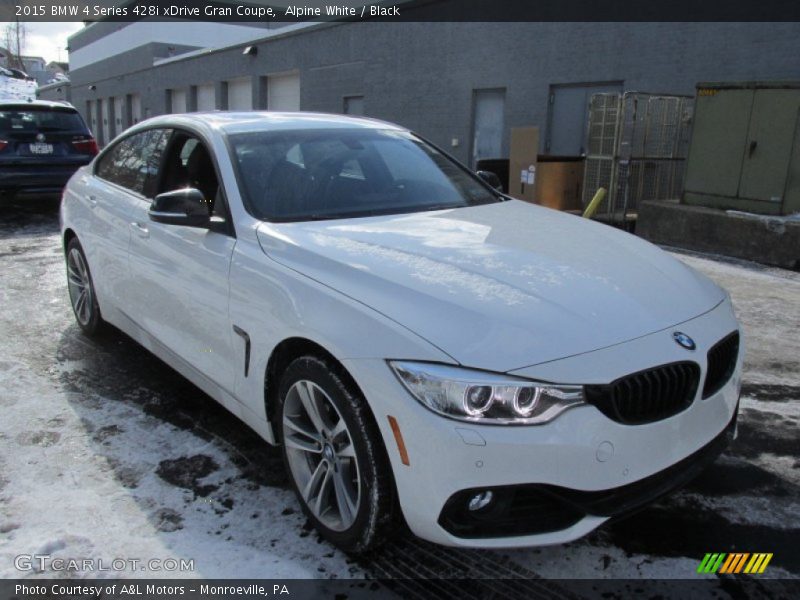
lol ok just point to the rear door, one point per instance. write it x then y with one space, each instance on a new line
115 193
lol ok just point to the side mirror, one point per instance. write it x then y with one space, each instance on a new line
180 207
492 179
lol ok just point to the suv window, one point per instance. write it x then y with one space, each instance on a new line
134 161
21 120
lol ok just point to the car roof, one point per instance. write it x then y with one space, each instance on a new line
22 104
254 121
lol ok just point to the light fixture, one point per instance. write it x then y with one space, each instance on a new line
480 500
250 51
92 87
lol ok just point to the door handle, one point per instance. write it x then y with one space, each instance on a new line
140 229
92 201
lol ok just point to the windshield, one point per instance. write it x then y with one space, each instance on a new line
336 173
35 120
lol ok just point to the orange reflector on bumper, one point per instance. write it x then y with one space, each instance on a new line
398 438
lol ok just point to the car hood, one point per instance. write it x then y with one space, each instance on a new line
499 286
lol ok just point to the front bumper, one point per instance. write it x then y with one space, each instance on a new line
580 455
540 508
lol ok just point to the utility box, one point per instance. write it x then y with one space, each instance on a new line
745 148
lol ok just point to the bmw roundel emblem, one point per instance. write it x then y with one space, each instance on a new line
683 340
40 137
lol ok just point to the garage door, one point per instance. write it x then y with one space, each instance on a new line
178 101
91 111
205 97
120 120
240 94
136 108
283 92
102 128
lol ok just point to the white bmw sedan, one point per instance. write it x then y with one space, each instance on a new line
422 347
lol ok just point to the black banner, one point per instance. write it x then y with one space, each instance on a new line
282 11
354 589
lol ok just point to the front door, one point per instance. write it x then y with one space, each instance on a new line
181 273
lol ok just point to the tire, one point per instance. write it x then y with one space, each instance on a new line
335 456
81 290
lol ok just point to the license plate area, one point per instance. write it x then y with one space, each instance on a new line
40 148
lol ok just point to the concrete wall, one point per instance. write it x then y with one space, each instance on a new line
422 75
768 240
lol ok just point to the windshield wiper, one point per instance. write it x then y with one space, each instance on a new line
328 216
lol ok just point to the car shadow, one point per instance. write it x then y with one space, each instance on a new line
26 216
116 368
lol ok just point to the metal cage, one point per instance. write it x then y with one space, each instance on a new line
637 146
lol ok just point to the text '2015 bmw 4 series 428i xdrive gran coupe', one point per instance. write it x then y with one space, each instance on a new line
422 347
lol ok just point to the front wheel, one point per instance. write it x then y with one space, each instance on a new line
81 290
335 456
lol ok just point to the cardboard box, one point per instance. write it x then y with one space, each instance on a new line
522 163
559 183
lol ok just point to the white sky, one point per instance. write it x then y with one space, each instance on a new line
46 39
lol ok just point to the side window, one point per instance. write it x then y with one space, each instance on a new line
188 164
155 147
352 169
186 151
116 164
133 162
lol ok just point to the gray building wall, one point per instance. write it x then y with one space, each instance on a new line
422 75
60 91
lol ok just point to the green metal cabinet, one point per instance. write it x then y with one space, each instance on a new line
745 147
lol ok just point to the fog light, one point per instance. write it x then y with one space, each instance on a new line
481 500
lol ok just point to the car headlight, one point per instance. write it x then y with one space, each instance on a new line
481 397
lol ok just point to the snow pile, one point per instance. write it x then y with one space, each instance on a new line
13 89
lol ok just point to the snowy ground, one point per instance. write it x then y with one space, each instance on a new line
106 452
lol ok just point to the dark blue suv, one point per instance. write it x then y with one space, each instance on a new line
41 145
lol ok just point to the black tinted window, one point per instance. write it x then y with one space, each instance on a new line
334 173
133 162
35 120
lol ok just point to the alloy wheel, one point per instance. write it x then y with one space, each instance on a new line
80 287
321 455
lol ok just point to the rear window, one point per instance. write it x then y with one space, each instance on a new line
23 120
